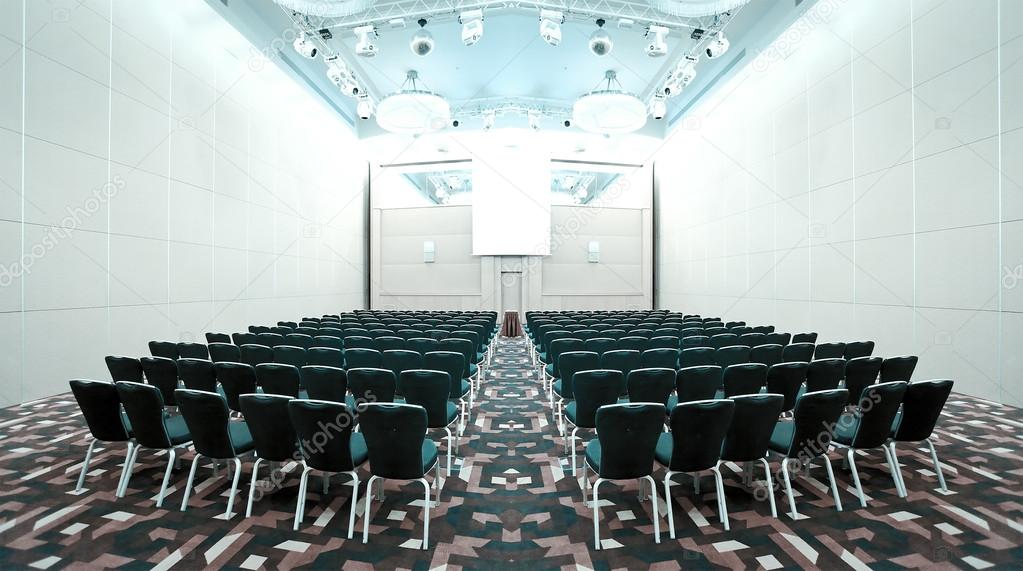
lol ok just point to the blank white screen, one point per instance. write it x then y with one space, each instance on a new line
511 204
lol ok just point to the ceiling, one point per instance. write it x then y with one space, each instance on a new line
511 62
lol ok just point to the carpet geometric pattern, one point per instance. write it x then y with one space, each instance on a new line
511 503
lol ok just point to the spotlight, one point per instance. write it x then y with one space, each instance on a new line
681 76
364 108
364 46
304 47
657 46
472 26
600 41
534 119
568 123
550 26
658 108
489 119
718 47
422 41
342 77
455 123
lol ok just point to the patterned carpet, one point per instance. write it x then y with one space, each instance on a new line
510 505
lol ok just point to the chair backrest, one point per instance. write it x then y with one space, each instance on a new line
124 368
101 407
725 357
324 382
697 383
331 341
797 352
217 338
325 357
279 379
369 384
571 363
752 424
815 418
752 339
829 351
697 357
921 408
650 385
744 379
600 345
422 345
240 339
628 435
256 354
197 374
632 343
898 368
624 360
236 379
394 436
309 417
162 373
361 358
810 337
165 349
389 343
694 341
660 358
720 340
698 429
786 379
782 339
460 346
225 352
876 419
663 342
302 340
428 389
358 342
193 351
769 354
824 374
450 362
206 417
594 389
272 432
858 349
290 355
860 373
270 339
398 360
144 406
561 346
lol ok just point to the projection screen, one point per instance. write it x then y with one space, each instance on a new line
511 204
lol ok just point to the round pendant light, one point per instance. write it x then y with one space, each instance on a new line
413 111
327 8
609 111
696 8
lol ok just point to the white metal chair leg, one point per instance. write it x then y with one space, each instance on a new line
326 482
166 476
129 465
850 457
124 466
770 488
834 482
451 442
897 472
653 500
85 466
303 485
571 447
234 487
719 484
937 465
365 517
667 500
355 500
596 514
252 485
891 468
788 488
696 483
426 514
188 483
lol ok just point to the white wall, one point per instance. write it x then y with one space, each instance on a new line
862 179
205 190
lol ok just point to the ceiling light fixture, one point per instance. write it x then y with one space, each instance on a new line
327 8
422 41
658 107
609 111
364 107
304 47
364 46
717 47
656 47
550 26
679 77
339 74
413 111
601 43
472 26
696 8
